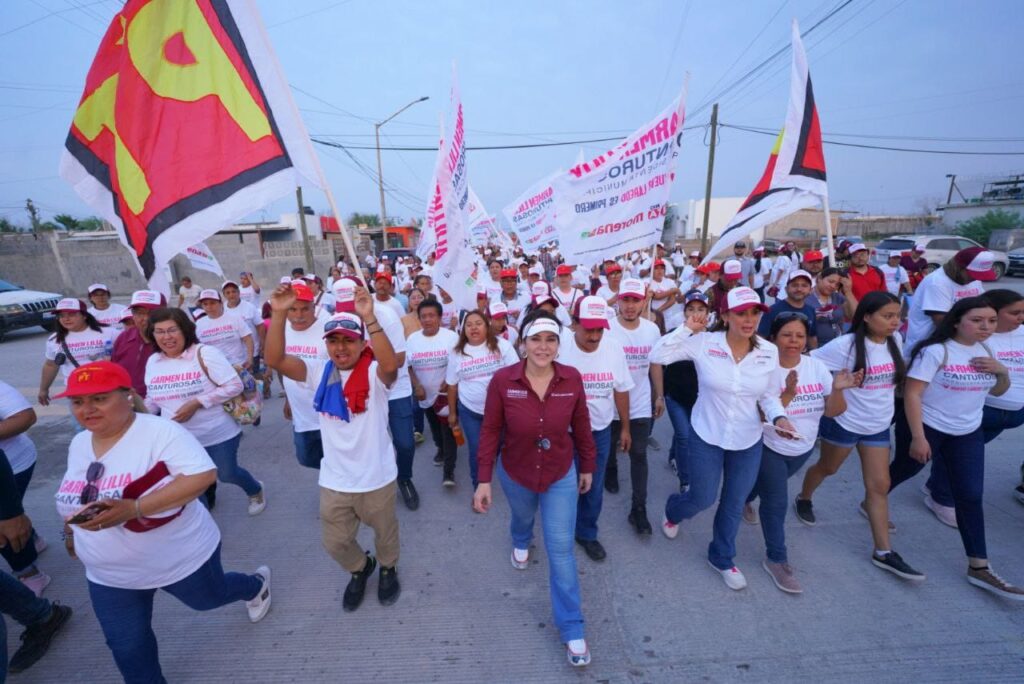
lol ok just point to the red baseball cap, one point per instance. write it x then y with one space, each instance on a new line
659 262
977 261
508 273
614 268
564 269
96 378
713 266
813 255
302 291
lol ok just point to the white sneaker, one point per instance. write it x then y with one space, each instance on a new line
258 502
259 606
945 514
670 529
577 652
732 577
40 544
37 582
520 559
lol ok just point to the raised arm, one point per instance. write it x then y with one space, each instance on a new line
289 366
387 360
682 343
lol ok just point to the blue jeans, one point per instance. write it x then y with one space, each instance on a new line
558 518
126 615
417 417
588 509
680 417
225 456
470 423
993 422
707 464
25 559
309 448
18 601
400 422
771 488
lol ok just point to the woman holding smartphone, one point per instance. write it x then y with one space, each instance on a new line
149 534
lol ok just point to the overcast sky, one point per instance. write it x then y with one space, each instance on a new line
913 74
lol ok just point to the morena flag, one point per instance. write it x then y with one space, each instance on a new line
794 178
186 124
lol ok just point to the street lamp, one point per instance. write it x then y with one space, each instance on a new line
380 172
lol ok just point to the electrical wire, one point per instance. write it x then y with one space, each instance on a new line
49 13
883 147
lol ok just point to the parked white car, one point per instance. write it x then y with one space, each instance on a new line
938 249
21 308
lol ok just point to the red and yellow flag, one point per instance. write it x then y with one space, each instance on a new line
185 125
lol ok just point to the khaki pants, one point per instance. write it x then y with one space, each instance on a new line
340 515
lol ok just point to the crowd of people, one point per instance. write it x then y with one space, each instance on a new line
558 370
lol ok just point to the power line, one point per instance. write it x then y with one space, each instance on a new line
49 13
308 14
882 147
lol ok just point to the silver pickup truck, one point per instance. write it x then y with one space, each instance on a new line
21 308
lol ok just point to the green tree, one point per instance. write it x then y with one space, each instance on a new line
369 219
980 228
68 221
8 227
92 223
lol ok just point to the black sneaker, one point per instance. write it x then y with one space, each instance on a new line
805 511
357 585
448 480
1018 493
389 588
35 640
611 483
638 519
593 548
897 566
410 496
438 459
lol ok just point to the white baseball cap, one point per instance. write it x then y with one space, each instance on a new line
743 298
592 313
856 247
70 304
497 309
149 299
98 286
920 247
732 269
801 273
209 294
540 289
542 325
537 269
695 254
632 287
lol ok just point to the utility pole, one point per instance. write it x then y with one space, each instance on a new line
952 184
380 171
707 189
305 234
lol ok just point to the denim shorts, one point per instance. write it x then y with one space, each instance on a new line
834 433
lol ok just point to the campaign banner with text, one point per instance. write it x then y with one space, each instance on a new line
617 202
201 257
483 228
532 215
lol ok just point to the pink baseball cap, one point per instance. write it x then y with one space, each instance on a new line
497 310
209 294
632 288
592 313
743 298
71 304
345 293
149 299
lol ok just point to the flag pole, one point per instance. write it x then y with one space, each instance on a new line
828 232
346 238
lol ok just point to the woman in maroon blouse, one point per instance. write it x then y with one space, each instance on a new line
531 407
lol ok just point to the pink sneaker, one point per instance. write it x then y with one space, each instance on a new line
37 582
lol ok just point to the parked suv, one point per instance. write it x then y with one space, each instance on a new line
21 308
938 249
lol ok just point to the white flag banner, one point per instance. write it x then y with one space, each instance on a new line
483 228
428 235
455 262
201 257
617 202
532 215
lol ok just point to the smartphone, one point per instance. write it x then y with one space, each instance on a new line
792 433
89 512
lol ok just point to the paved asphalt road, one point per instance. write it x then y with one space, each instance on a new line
655 611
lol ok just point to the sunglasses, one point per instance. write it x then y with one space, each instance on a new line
90 492
344 324
792 315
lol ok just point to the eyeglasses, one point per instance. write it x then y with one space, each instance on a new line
344 324
90 492
166 332
792 315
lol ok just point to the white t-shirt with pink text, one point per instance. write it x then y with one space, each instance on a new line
636 345
813 384
85 347
1008 348
428 357
307 345
225 333
869 408
604 372
473 369
116 556
955 397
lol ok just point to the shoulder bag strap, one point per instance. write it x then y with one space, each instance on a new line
202 365
67 353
